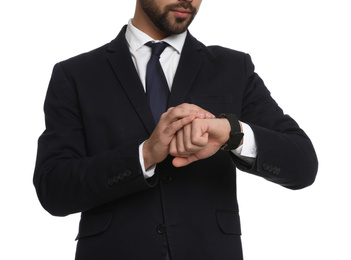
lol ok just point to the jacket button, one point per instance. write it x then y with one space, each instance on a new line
161 229
167 178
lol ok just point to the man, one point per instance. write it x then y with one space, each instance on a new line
154 186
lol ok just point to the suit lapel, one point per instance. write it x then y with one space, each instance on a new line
120 60
189 66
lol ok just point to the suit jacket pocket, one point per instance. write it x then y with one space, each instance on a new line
229 222
94 223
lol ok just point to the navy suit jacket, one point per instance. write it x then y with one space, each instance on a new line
97 115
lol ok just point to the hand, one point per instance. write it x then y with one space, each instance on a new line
156 148
199 140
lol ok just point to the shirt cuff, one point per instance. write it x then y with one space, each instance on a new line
149 172
248 150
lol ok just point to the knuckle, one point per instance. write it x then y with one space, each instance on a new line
181 149
163 116
183 105
172 151
198 141
188 146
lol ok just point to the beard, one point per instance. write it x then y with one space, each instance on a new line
162 20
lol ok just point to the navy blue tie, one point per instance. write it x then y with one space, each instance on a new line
157 89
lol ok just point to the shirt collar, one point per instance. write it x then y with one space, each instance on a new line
136 38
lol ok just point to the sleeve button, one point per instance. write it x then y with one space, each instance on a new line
127 173
115 179
110 181
121 177
265 166
276 171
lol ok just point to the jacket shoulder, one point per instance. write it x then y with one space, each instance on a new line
86 58
220 52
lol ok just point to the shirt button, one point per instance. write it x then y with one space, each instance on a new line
161 229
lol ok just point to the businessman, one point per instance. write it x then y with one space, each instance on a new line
144 134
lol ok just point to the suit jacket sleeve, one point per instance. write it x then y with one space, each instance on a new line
66 178
285 155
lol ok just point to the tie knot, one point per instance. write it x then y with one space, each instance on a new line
157 47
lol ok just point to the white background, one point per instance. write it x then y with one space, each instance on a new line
300 48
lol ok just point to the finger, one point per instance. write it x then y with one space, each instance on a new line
199 138
184 110
175 126
203 112
191 147
173 147
210 115
175 114
184 161
184 144
199 135
180 142
200 141
187 138
179 162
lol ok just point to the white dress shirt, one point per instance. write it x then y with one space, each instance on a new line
169 60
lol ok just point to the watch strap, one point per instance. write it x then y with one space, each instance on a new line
235 135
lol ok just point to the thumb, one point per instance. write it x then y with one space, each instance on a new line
184 161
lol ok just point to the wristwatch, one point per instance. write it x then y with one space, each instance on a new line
235 135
